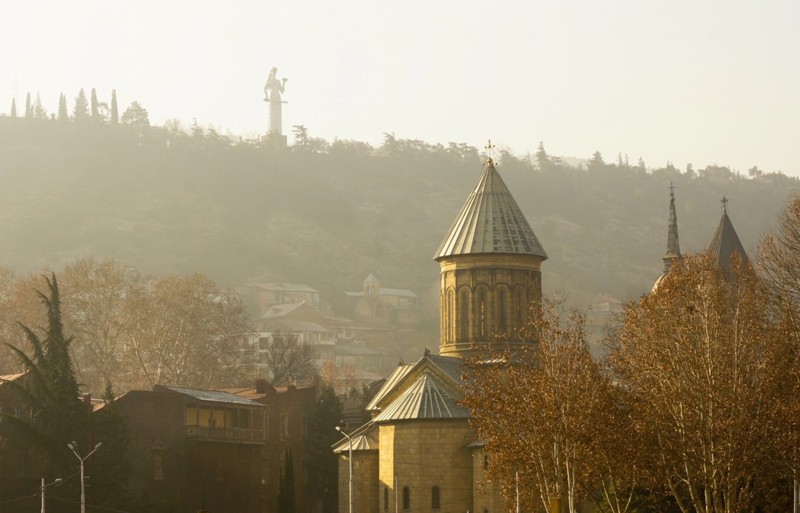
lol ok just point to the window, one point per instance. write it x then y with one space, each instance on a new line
158 467
435 499
284 426
501 311
463 319
385 498
448 326
406 498
482 315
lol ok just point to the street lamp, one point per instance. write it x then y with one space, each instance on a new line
350 460
74 448
58 480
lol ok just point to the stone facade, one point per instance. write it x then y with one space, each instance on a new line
482 297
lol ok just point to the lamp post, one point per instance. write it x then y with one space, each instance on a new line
74 448
350 460
58 480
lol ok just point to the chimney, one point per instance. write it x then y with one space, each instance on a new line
261 386
87 402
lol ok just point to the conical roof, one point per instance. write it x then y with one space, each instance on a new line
725 242
490 222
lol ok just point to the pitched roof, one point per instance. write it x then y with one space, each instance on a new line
725 241
490 222
292 287
364 438
400 372
426 398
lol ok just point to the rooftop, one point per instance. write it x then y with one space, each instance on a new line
490 222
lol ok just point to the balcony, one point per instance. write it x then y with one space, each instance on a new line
224 434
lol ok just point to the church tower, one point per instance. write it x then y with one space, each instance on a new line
725 241
673 253
489 269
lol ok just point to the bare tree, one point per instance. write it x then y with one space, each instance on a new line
97 299
287 358
780 266
186 331
703 366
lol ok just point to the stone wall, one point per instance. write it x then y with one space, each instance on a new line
421 455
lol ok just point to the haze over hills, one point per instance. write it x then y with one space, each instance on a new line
329 213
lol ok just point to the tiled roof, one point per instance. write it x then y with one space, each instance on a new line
426 398
490 222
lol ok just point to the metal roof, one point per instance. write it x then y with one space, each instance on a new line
490 222
725 242
427 398
364 438
397 375
450 365
211 395
292 287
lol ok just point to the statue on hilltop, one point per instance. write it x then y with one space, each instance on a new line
274 87
272 95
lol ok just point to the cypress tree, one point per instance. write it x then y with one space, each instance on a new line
114 111
28 109
95 111
81 110
39 112
63 113
286 485
13 107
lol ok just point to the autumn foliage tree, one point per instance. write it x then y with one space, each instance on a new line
703 365
134 331
780 267
540 410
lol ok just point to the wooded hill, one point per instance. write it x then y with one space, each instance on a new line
329 213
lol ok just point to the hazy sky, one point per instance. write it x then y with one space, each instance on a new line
685 81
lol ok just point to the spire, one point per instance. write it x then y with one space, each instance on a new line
490 222
673 246
725 241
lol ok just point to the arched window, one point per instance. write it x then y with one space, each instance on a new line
482 327
463 317
406 498
435 499
448 327
502 326
519 307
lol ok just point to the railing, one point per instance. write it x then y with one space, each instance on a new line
224 434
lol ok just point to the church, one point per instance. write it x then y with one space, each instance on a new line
418 451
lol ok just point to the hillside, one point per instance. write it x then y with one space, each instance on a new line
328 214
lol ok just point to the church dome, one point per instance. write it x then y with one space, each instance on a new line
490 222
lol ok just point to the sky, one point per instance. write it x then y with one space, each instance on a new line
684 81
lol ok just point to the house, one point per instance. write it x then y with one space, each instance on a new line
263 295
376 305
288 413
196 450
